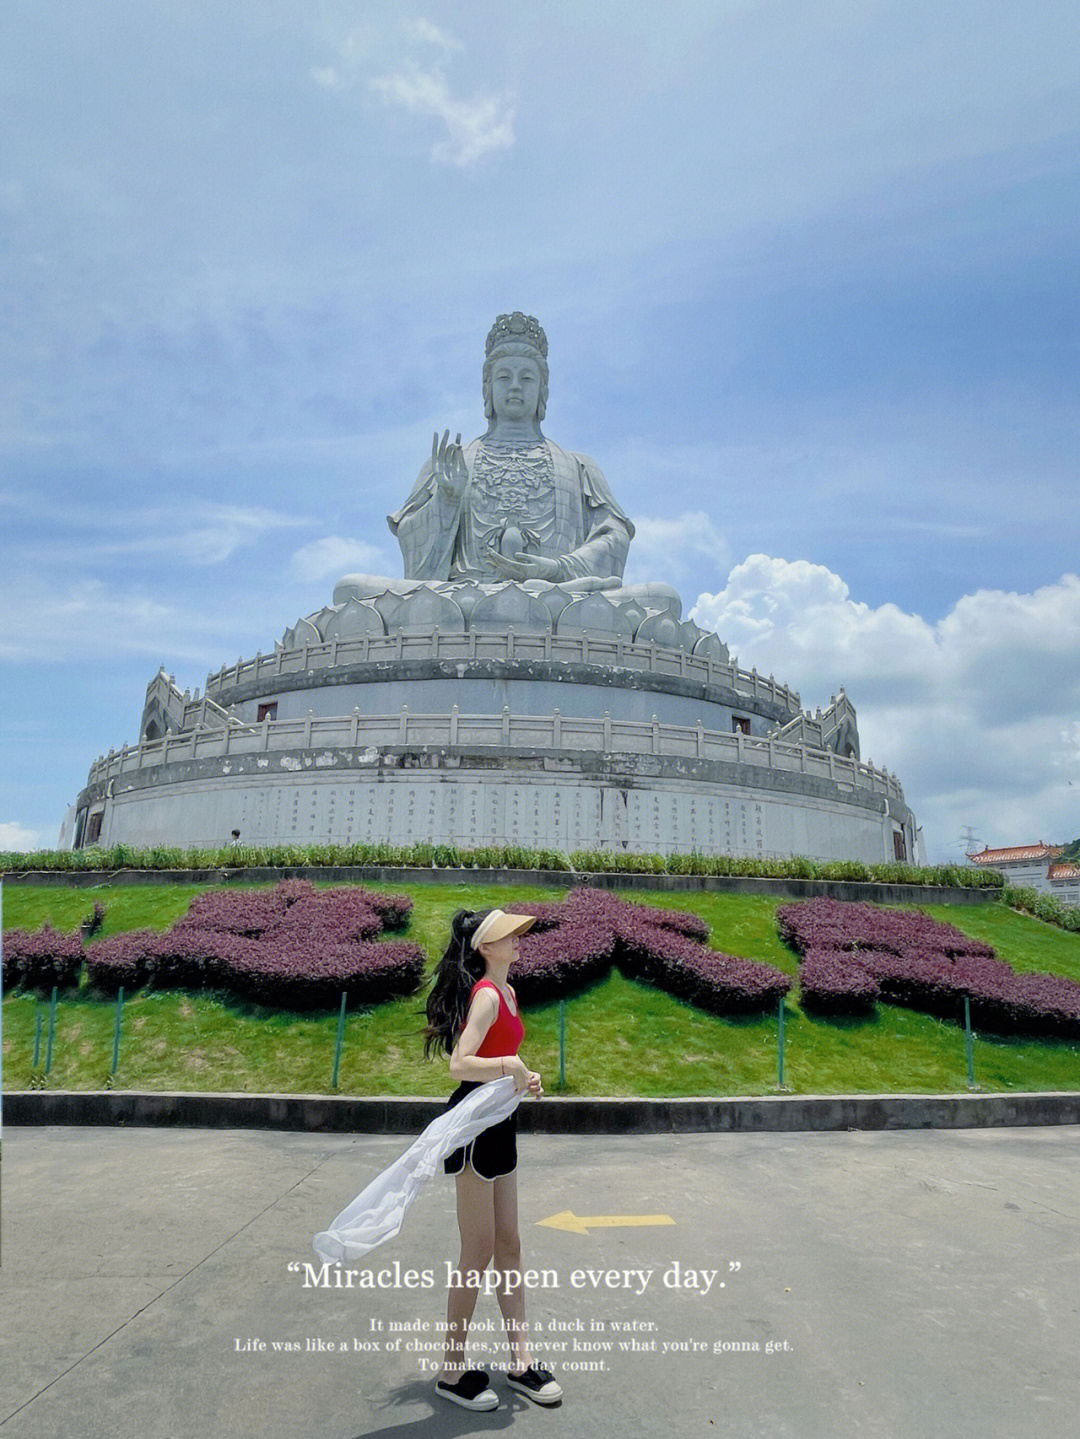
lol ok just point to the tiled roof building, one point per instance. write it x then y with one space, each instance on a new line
1035 866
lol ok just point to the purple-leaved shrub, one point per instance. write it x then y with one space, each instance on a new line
40 958
856 953
576 941
292 947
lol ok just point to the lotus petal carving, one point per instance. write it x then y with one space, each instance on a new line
302 633
593 614
353 620
511 607
660 628
710 646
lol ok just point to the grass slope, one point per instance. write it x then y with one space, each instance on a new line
623 1038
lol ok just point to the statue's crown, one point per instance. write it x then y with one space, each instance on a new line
516 329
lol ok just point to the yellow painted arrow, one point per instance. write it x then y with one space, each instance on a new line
582 1223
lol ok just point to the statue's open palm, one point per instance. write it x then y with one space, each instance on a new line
524 566
448 465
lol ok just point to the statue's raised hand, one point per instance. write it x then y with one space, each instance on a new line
448 465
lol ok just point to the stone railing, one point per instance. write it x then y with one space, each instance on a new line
607 652
454 731
821 729
174 709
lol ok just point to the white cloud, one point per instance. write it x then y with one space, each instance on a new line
424 30
474 127
976 713
334 556
227 528
666 548
201 533
48 623
14 836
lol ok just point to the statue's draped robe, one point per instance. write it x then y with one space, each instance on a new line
558 500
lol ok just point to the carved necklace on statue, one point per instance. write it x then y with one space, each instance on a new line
513 482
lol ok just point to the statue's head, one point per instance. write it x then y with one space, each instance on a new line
516 334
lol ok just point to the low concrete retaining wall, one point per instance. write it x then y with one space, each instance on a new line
333 1114
558 879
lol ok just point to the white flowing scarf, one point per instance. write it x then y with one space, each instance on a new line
377 1212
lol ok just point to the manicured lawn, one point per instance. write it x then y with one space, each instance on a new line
623 1038
1024 942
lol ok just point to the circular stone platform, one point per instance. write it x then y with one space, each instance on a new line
558 740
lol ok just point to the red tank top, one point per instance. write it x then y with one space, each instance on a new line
506 1033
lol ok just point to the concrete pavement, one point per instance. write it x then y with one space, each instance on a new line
888 1284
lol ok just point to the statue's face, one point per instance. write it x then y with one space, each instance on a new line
515 387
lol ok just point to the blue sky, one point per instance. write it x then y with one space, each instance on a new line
810 280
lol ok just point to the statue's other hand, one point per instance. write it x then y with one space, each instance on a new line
524 566
448 465
538 567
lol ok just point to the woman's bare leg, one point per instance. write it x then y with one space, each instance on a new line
476 1223
507 1252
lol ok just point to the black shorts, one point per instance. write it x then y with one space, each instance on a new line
493 1152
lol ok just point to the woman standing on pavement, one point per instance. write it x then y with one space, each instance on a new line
473 1016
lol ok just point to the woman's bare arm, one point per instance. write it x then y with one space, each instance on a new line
465 1063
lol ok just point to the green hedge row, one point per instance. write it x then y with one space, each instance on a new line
444 856
1043 906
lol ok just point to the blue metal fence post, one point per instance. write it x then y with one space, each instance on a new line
780 1045
340 1037
116 1031
562 1043
52 1031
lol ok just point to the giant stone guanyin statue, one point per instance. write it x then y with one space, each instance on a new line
512 506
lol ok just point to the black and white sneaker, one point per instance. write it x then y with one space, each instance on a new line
537 1384
472 1390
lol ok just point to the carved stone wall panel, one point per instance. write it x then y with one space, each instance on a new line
469 808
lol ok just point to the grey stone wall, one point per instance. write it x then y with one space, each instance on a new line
643 804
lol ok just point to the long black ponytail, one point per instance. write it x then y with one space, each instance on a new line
456 973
